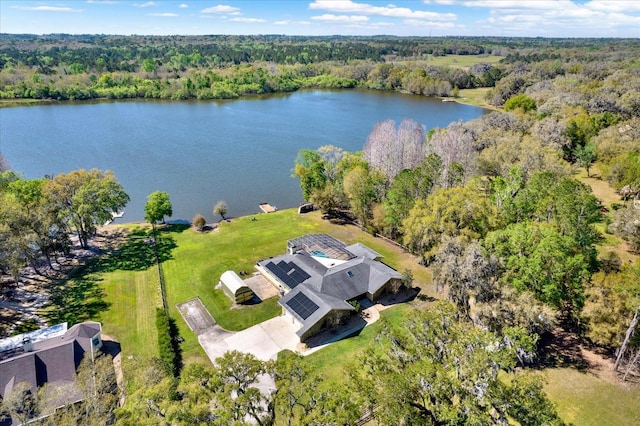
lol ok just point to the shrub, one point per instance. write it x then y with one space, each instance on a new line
520 101
168 345
199 221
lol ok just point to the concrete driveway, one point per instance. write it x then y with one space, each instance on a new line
264 340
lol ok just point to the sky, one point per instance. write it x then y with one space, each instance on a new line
508 18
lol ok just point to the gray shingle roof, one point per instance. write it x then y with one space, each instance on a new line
52 360
360 250
331 287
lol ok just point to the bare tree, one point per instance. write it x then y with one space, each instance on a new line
627 337
454 145
392 150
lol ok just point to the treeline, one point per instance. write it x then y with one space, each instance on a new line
64 67
119 53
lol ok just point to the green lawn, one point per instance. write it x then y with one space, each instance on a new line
475 97
329 362
584 399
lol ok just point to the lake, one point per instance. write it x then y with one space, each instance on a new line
239 151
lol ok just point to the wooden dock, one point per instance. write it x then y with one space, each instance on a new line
268 208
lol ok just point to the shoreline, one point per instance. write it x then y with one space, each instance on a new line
22 102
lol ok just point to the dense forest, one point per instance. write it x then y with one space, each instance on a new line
66 67
498 208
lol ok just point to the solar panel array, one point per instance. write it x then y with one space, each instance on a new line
288 272
302 305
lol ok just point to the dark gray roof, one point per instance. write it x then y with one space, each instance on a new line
360 250
353 279
326 287
293 269
324 302
52 360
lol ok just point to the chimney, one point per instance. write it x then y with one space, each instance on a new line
27 344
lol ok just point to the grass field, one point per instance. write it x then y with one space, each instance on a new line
584 399
329 363
475 97
462 61
608 197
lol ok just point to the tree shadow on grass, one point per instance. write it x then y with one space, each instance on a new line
138 253
561 349
79 298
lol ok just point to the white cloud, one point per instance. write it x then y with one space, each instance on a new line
290 22
147 4
222 8
247 20
46 9
547 17
614 6
103 1
348 6
340 18
444 2
164 15
183 6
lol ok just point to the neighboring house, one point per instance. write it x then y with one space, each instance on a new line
51 355
319 275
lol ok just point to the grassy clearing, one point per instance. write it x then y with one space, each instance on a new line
584 399
475 97
462 61
600 188
608 196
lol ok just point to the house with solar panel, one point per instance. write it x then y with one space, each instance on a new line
318 277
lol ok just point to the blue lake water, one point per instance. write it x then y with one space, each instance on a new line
239 151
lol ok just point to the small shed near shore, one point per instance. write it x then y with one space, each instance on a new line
234 287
